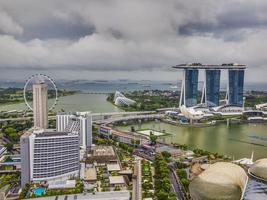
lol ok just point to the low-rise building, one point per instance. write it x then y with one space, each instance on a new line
113 167
90 174
100 156
117 181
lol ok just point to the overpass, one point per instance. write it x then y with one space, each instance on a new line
129 117
96 116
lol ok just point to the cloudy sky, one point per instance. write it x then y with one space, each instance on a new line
136 39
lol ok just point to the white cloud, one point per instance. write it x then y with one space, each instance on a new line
8 25
125 35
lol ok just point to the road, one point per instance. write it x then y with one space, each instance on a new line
137 182
177 188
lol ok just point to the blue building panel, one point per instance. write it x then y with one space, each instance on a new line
212 95
236 87
191 87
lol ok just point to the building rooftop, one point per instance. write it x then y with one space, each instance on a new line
45 132
113 167
90 174
205 66
116 180
52 133
118 195
103 151
101 154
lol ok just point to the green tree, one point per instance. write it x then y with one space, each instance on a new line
9 146
185 183
162 195
132 129
11 134
181 173
153 138
166 155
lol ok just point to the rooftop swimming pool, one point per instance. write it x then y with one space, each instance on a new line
39 191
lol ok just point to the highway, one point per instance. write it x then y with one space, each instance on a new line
94 115
177 188
124 118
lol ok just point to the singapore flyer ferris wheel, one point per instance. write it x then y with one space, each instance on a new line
40 78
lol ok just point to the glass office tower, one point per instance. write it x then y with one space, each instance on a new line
191 87
235 87
212 89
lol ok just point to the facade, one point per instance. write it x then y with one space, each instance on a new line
212 87
236 87
62 120
80 123
48 156
189 91
40 106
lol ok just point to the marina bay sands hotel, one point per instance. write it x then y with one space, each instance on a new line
211 89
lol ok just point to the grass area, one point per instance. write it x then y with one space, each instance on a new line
147 181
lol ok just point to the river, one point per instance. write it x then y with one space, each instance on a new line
76 102
238 140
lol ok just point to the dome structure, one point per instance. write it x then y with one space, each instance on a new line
221 180
121 100
259 168
118 94
191 113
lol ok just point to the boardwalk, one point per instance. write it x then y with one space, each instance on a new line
255 190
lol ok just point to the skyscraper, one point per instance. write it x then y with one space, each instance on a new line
40 106
47 155
79 123
212 87
235 87
190 87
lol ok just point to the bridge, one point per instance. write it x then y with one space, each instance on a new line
130 117
96 116
96 92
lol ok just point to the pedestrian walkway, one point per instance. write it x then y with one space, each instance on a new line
255 190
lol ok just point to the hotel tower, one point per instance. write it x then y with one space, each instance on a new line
40 107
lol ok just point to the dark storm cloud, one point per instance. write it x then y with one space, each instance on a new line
126 35
232 19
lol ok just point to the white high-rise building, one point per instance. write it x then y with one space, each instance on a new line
49 156
40 106
80 123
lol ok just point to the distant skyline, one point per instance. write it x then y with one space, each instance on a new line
113 39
